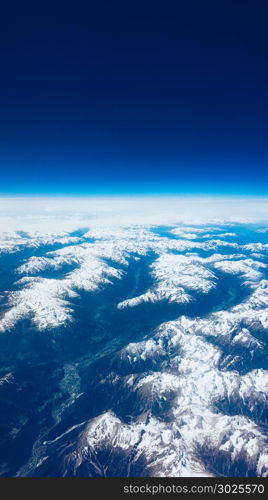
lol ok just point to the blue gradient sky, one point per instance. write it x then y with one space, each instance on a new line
125 98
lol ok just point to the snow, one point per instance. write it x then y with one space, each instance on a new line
174 276
188 371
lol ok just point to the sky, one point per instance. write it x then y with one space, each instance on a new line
119 98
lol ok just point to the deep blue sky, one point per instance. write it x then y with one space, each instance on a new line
134 97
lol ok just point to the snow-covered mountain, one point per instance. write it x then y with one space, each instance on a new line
135 350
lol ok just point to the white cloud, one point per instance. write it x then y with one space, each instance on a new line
51 214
